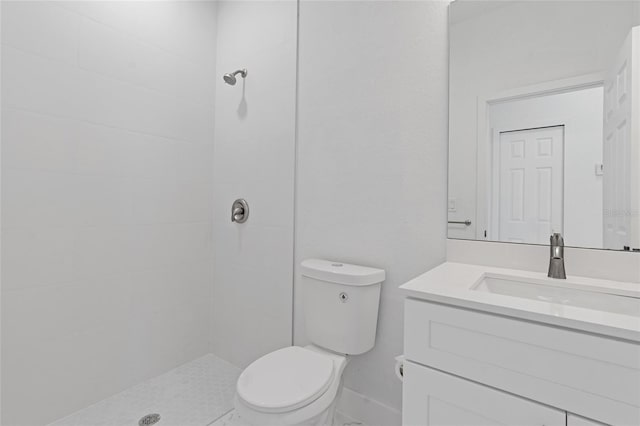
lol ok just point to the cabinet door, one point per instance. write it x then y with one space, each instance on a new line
434 398
573 420
588 374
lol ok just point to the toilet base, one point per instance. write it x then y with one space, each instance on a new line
325 418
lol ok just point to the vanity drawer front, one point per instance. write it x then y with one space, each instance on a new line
434 398
573 420
593 376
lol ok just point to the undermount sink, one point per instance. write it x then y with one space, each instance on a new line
561 292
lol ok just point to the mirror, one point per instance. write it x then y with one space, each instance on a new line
544 122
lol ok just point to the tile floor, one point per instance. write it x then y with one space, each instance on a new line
194 394
340 420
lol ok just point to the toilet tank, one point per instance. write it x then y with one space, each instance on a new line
340 305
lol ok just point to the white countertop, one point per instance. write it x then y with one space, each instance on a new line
451 283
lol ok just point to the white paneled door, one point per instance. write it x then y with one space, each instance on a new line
621 147
530 177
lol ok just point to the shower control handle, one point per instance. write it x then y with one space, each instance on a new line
239 211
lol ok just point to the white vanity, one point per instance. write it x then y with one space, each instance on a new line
492 346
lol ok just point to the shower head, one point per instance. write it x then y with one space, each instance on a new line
231 78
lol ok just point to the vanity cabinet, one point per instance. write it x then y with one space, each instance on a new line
434 398
573 420
478 368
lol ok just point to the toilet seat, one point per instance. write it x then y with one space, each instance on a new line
285 380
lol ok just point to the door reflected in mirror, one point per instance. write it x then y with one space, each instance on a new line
545 122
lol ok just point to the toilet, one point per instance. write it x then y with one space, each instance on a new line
301 385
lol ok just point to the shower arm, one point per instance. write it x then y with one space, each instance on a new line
242 72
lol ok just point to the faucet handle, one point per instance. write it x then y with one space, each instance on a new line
556 239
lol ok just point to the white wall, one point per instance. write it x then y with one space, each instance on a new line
255 160
107 137
513 46
372 143
580 112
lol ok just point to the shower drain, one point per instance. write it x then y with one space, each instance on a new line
149 419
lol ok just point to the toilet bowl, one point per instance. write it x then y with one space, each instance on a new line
302 385
291 386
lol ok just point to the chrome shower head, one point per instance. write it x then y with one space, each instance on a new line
231 77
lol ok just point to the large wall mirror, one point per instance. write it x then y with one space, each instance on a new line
544 132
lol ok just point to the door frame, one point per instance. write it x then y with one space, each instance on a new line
485 136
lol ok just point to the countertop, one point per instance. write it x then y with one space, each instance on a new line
451 283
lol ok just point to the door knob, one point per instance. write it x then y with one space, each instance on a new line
239 211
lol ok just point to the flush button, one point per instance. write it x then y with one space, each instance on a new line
343 297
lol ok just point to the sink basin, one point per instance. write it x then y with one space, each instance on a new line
562 293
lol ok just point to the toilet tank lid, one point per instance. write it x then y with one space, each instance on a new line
341 273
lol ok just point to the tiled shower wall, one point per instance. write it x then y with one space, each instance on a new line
107 164
255 160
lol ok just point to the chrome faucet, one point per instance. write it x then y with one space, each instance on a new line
556 262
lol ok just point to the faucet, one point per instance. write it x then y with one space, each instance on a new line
556 262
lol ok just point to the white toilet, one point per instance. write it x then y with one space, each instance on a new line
301 385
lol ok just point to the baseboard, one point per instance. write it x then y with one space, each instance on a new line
367 410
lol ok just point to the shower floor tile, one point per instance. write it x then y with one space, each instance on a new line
194 394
